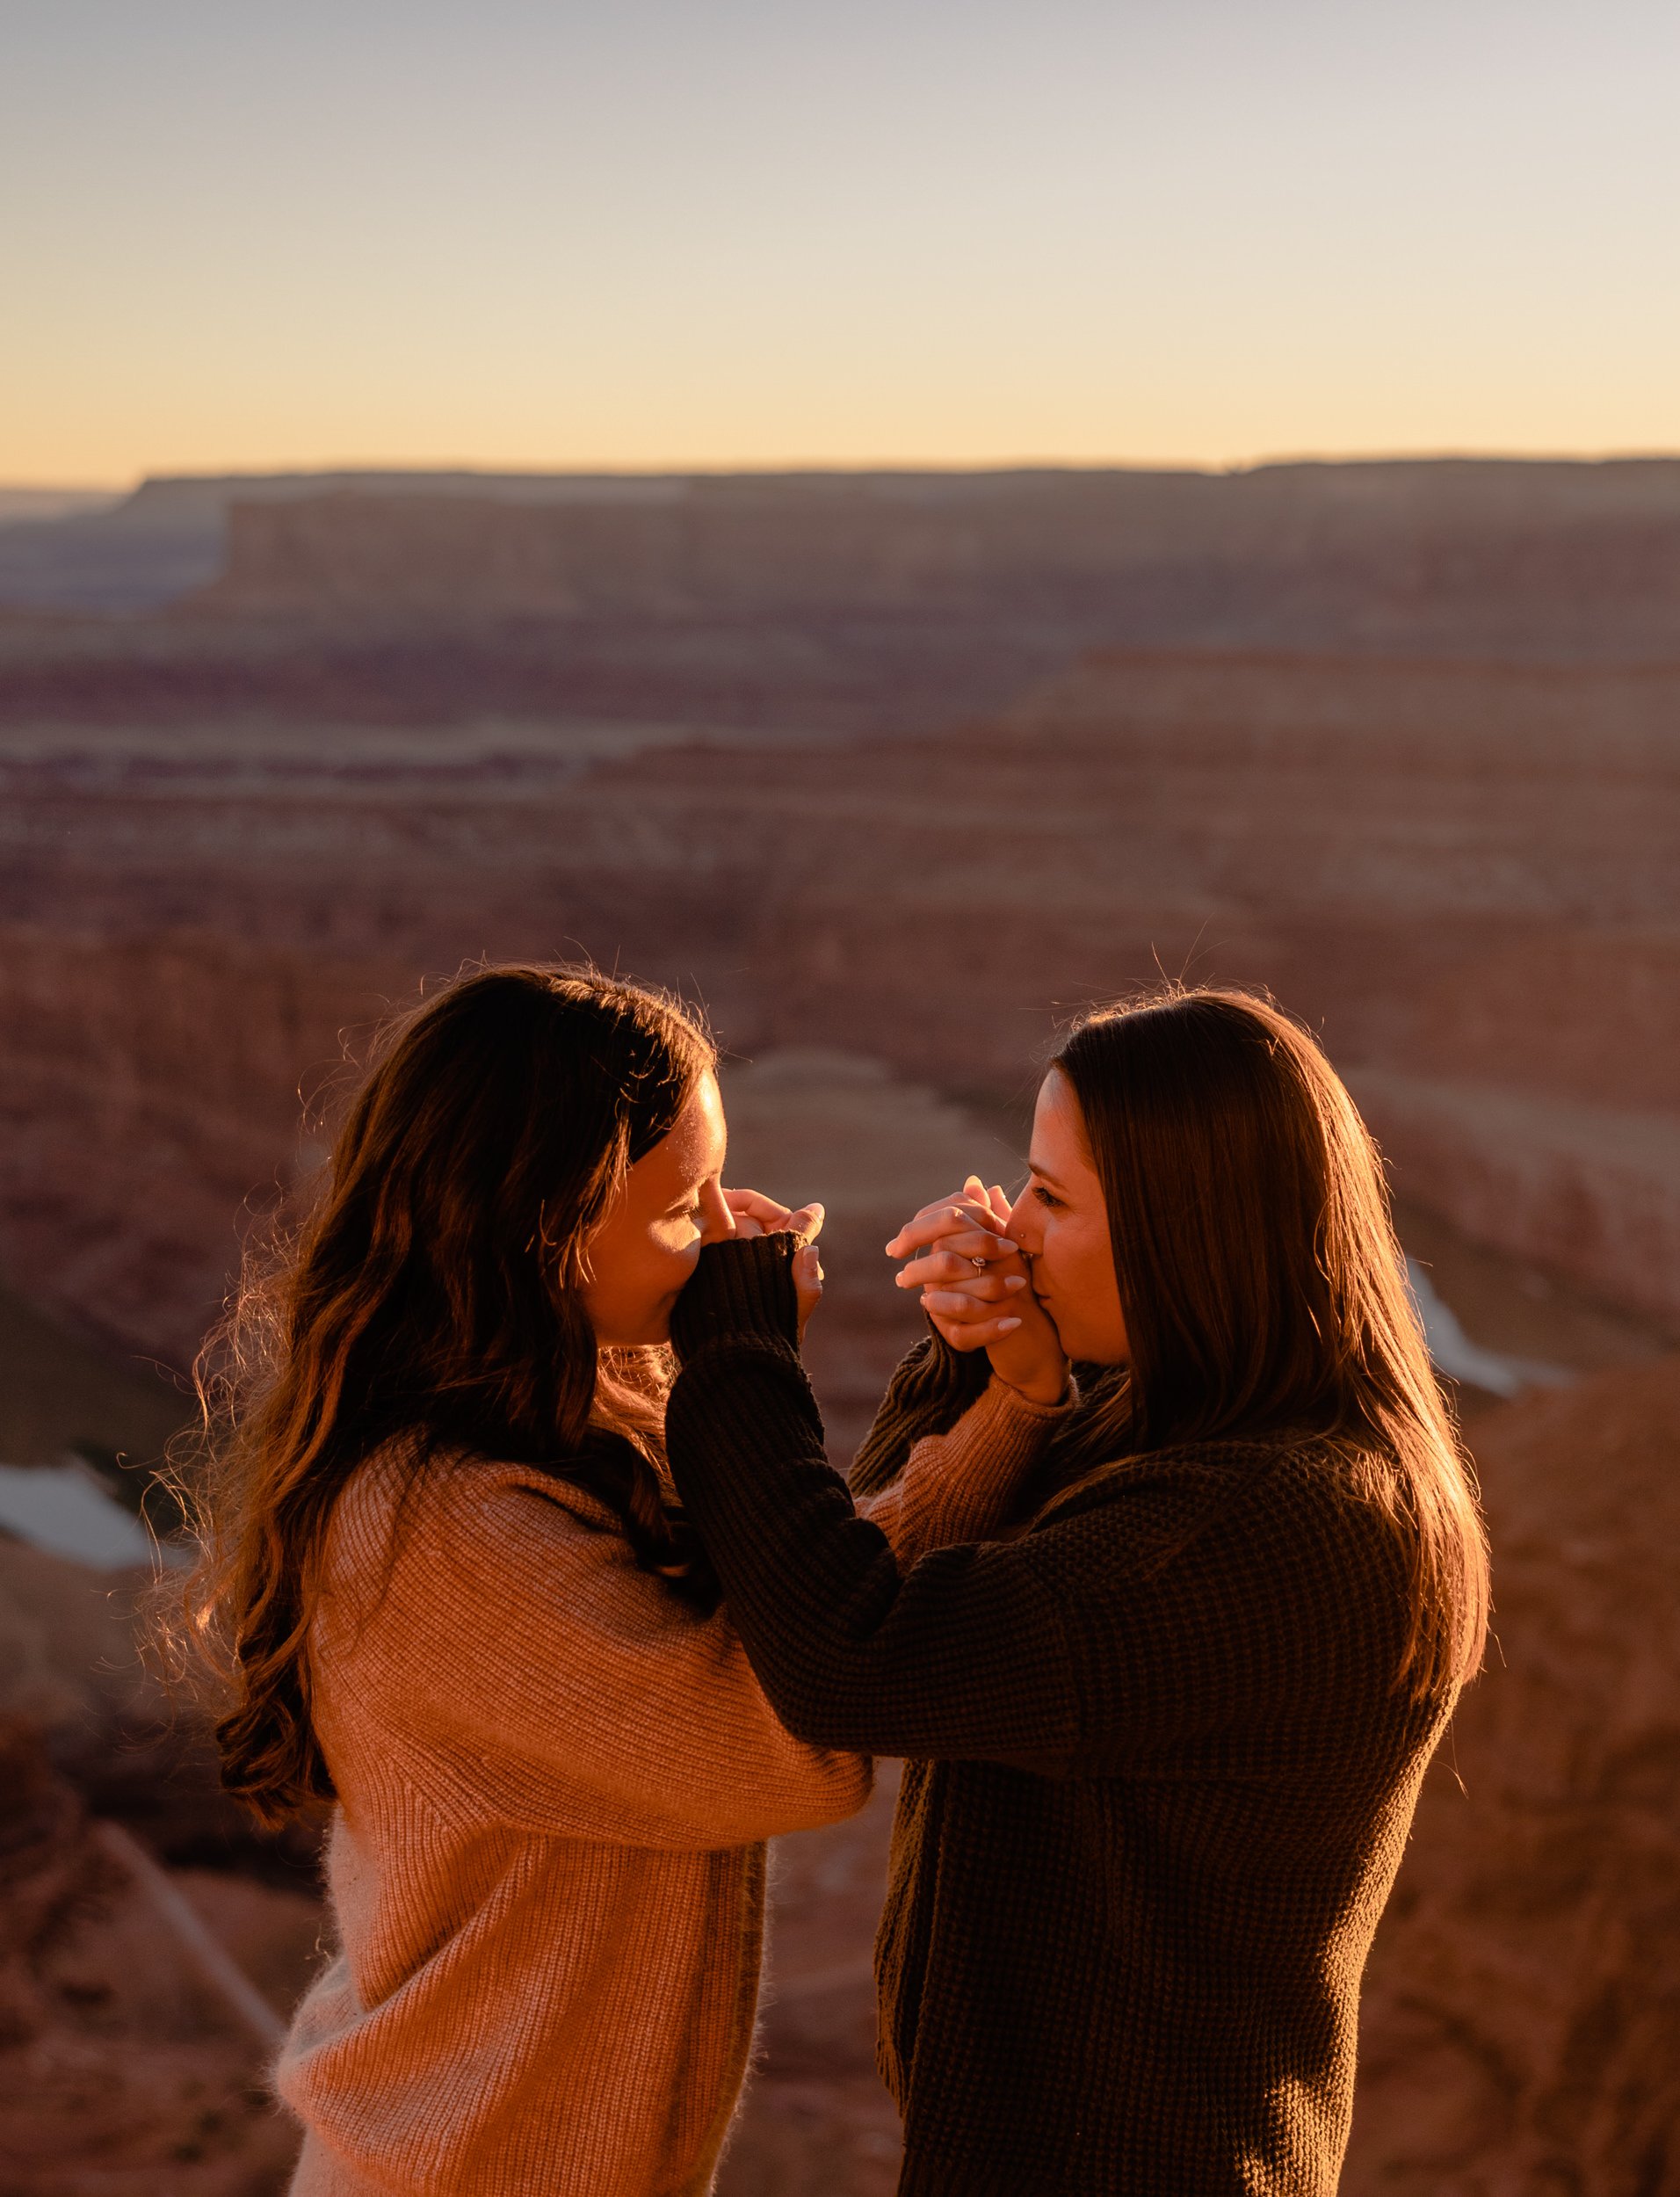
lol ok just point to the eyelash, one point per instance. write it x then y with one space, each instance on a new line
1044 1197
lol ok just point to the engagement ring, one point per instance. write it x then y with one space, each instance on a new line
979 1262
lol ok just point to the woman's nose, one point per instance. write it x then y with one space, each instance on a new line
716 1220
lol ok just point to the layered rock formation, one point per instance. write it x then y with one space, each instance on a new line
130 2044
1524 1994
1463 876
1441 556
816 754
1493 558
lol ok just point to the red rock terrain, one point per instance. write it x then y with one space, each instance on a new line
841 782
125 2069
1465 876
1524 1998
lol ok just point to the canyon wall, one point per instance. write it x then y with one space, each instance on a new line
1522 2003
875 769
1445 554
1463 876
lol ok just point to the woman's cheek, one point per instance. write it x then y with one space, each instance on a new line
680 1259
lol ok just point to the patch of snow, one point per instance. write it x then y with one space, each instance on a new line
1455 1355
67 1511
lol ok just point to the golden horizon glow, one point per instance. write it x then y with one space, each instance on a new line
373 236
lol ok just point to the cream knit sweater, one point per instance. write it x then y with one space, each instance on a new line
546 1866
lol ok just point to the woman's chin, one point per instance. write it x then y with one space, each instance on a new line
1067 1348
1082 1348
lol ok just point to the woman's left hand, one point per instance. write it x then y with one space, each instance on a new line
976 1289
756 1214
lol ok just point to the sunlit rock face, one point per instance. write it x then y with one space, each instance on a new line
1523 1995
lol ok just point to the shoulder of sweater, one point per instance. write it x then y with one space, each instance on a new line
1281 1472
1283 1512
390 1505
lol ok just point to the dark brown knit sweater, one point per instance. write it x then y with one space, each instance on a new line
1159 1783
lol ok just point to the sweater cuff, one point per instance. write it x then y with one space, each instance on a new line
741 1287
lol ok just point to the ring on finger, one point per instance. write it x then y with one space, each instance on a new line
979 1265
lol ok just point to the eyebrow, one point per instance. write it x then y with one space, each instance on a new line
1044 1174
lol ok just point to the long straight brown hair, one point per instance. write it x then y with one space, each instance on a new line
1263 1285
432 1305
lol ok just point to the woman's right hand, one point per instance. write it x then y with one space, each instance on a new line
977 1291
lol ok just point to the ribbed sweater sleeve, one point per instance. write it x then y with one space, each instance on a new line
962 1654
558 1686
931 1388
960 1486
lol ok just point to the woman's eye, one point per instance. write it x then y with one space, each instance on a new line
1043 1196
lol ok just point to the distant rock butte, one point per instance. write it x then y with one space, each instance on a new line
1533 559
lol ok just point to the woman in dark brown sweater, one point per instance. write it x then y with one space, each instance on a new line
1166 1722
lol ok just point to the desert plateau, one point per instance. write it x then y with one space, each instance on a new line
891 772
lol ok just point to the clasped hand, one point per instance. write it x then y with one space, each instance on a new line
756 1214
977 1290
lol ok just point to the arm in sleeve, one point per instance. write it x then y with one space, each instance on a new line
960 1486
933 1387
572 1691
960 1655
1184 1602
1184 1596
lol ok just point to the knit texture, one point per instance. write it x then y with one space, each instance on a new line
1160 1779
963 1486
546 1866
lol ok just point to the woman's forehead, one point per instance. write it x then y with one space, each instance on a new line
696 1145
1058 1138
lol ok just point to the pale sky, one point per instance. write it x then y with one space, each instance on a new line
766 232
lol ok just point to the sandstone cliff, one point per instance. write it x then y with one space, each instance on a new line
1440 556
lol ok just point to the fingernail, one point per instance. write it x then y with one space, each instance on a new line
1007 1327
1015 1281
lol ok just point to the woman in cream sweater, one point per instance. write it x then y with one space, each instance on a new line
458 1605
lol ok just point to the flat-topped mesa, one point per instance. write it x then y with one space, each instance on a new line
1538 562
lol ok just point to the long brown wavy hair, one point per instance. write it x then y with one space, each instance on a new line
1262 1284
432 1300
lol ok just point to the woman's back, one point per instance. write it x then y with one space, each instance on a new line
555 1777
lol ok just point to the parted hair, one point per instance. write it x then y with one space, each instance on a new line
1262 1283
431 1306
